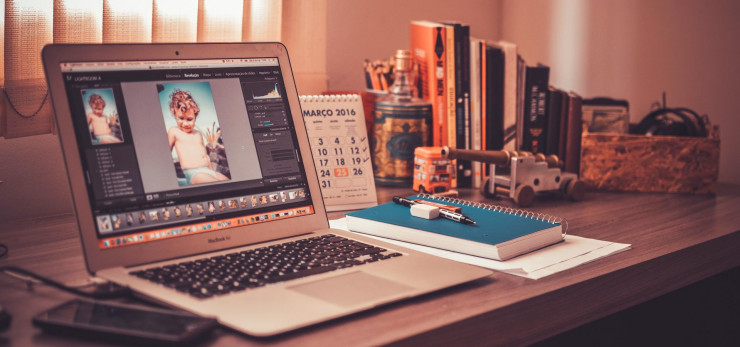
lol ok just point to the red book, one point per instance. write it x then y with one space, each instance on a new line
428 43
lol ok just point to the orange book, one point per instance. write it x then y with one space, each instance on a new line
428 43
451 106
450 88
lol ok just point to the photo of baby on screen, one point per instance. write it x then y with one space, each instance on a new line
102 116
193 133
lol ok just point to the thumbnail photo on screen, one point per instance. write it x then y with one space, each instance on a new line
193 132
102 116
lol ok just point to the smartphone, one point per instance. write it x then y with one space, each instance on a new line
121 322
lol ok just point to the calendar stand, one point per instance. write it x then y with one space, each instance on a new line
341 150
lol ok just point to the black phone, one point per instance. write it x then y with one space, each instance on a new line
122 322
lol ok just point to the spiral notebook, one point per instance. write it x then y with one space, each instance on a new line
501 232
341 150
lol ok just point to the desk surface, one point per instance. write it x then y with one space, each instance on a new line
676 240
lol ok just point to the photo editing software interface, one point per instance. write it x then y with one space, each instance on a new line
179 147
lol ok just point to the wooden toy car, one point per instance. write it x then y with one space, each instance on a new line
521 175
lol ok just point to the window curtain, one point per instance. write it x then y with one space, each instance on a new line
28 25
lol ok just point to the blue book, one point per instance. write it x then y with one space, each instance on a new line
500 232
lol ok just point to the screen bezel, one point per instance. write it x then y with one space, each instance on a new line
136 254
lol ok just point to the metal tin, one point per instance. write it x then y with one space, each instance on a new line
398 130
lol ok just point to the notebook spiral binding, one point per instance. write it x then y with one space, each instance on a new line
332 97
523 213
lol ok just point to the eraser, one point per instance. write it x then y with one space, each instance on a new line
424 211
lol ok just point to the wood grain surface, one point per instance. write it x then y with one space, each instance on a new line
676 240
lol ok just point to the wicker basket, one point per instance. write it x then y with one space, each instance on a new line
651 164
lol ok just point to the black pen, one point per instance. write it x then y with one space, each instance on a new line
455 217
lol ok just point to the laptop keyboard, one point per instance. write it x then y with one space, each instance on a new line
254 268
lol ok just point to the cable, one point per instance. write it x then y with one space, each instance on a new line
10 102
674 121
106 291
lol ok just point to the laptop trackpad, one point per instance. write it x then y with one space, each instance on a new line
352 289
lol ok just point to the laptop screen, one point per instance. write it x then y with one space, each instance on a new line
172 148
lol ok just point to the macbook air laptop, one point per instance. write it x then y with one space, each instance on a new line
193 184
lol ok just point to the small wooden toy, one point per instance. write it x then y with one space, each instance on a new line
520 175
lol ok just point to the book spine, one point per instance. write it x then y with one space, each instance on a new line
450 86
535 109
510 94
495 95
429 239
449 96
462 102
466 91
476 117
483 87
428 51
564 112
554 102
520 78
483 113
459 108
573 136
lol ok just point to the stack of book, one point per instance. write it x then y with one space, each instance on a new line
484 96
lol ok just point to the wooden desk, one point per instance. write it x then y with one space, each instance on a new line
676 240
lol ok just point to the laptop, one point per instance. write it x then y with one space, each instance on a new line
193 184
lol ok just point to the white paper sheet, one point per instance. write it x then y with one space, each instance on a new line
573 251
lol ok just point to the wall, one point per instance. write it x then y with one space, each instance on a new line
635 50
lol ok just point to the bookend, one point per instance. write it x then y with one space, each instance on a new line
521 175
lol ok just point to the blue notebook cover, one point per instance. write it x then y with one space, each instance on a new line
493 226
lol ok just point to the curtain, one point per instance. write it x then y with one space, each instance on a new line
27 25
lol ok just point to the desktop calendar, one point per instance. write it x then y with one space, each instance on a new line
341 150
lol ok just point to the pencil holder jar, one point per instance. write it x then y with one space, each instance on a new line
398 130
401 124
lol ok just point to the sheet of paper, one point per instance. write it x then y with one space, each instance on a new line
573 251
